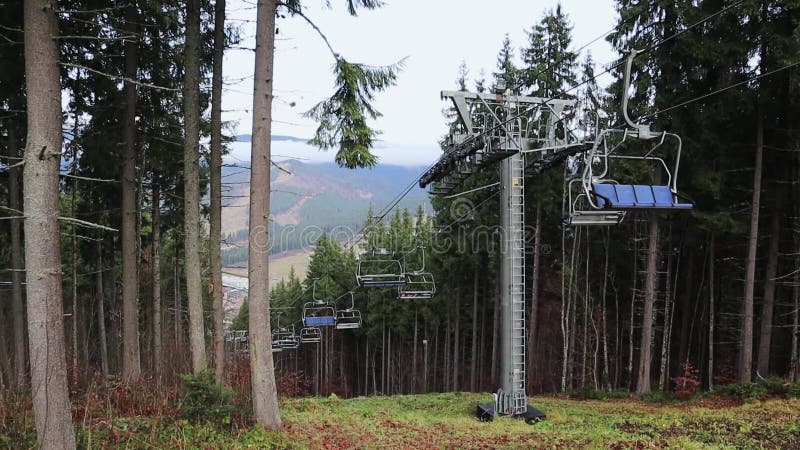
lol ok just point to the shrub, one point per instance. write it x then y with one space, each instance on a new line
686 385
598 394
776 386
657 397
793 391
258 437
744 391
203 400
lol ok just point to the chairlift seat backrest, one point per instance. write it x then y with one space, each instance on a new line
419 285
348 319
602 217
636 196
320 321
310 335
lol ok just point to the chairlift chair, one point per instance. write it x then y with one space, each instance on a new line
419 283
379 268
581 213
318 312
348 318
310 335
285 338
606 198
605 193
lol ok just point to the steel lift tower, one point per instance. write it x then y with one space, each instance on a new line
522 134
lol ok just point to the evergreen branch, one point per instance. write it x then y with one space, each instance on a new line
119 77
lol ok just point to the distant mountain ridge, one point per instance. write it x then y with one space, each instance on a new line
275 137
314 197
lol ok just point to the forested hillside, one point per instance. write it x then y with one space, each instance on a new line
309 199
118 211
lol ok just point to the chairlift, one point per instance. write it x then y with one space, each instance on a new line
419 283
379 268
580 212
348 318
310 335
602 200
318 312
285 338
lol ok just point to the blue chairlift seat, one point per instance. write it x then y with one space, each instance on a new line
320 321
636 196
318 313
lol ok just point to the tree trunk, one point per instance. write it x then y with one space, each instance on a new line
74 274
265 397
794 373
191 203
585 325
178 318
131 365
414 357
629 367
474 354
17 266
663 376
563 321
645 346
685 307
495 332
5 360
794 370
768 307
604 312
156 278
567 326
534 320
101 314
51 407
456 338
216 191
711 312
746 356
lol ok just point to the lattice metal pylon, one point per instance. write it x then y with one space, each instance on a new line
504 128
513 290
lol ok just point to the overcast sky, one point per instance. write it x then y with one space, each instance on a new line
435 36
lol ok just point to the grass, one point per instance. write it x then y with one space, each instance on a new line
446 421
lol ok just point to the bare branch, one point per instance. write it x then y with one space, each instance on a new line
6 168
78 177
313 25
118 77
280 168
83 223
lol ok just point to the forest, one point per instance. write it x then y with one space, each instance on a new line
112 197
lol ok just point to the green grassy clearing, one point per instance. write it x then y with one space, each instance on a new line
446 421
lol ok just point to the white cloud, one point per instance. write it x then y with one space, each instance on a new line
434 35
